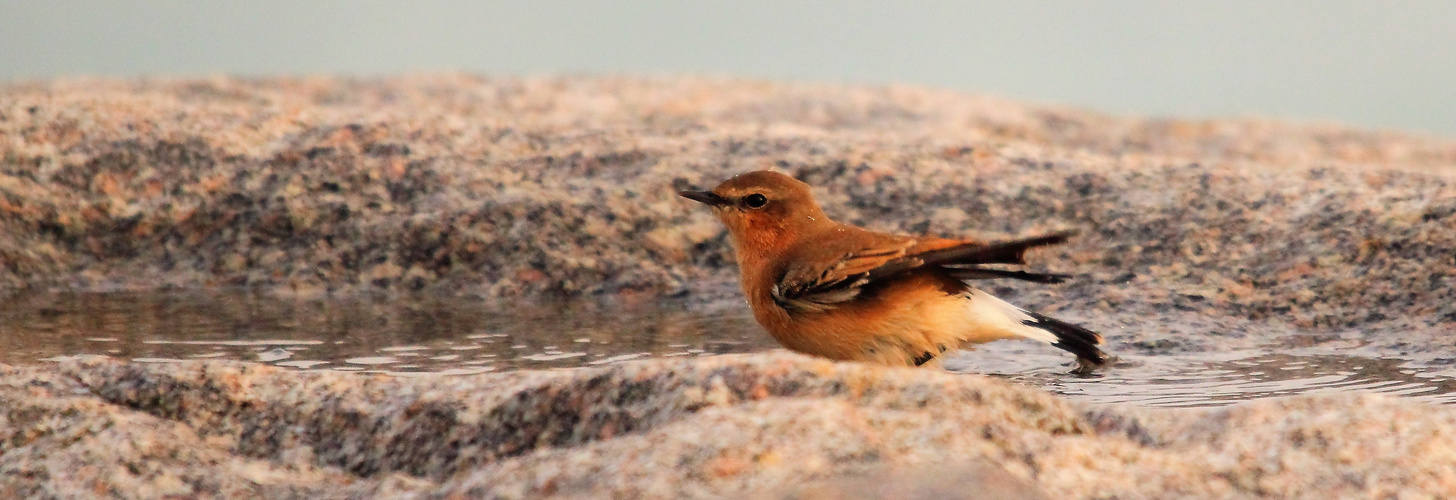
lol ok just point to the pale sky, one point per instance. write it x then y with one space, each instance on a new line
1372 64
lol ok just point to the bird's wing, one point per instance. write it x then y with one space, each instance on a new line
834 274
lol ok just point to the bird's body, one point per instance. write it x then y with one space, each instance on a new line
848 293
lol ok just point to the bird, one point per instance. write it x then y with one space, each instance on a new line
848 293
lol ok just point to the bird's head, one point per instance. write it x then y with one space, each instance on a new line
763 210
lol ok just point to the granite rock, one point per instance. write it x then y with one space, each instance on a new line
511 187
761 425
1195 235
519 188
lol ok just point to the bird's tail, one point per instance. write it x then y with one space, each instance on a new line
1071 338
1060 334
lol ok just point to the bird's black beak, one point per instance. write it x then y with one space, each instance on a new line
704 197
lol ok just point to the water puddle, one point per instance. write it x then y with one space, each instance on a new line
463 336
401 337
1214 379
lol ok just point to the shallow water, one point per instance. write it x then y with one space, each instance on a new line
1216 379
462 336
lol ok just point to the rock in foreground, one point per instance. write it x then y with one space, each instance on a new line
768 425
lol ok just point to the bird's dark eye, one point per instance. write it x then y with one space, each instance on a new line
755 200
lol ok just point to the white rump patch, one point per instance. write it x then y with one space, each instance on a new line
996 313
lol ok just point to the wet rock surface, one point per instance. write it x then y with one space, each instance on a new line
764 425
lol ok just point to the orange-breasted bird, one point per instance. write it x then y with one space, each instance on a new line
848 293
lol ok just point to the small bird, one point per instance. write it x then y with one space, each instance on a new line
847 293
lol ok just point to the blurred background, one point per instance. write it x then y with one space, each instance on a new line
1371 64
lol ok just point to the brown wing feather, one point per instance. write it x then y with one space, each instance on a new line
819 288
811 287
973 253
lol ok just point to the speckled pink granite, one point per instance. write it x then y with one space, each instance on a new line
1196 235
771 425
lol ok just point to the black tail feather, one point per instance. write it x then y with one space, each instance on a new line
1071 338
1005 252
977 273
